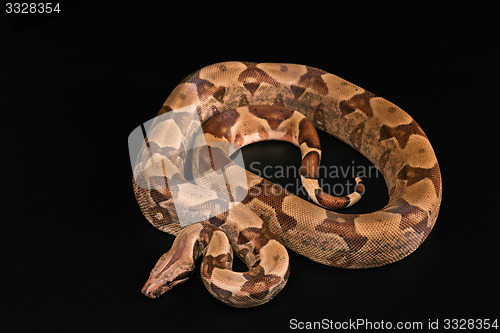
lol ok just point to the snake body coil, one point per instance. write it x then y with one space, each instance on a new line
242 103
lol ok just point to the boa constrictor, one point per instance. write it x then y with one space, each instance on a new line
242 102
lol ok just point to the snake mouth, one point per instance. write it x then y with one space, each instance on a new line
155 290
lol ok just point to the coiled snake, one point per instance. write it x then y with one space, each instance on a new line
241 103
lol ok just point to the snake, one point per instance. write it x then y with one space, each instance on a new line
240 103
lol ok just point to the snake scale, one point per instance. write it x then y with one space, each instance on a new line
244 102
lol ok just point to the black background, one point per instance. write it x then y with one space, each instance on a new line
76 248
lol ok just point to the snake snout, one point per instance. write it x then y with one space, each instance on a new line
151 290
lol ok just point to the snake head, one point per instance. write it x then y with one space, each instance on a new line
171 269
